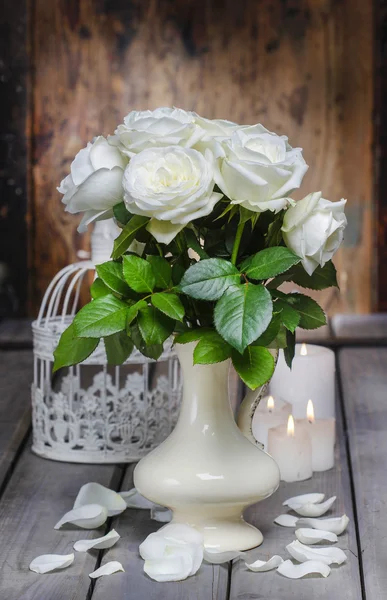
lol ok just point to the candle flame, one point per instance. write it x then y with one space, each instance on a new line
304 350
270 403
290 430
310 411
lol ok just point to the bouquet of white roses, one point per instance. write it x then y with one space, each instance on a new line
209 233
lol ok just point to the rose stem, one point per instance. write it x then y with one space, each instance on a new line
237 241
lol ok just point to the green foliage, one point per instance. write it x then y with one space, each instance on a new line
169 304
72 350
193 242
132 311
138 274
121 214
311 314
98 289
162 271
269 335
111 274
209 279
290 348
242 314
255 366
154 326
211 348
288 315
101 317
149 350
269 263
322 278
127 235
118 348
192 335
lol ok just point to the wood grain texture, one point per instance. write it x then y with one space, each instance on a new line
298 67
364 378
343 582
210 583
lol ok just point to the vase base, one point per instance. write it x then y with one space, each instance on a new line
223 535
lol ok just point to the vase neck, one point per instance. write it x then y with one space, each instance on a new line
205 390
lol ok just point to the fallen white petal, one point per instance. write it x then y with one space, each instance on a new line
260 566
161 514
173 568
95 493
217 558
134 500
304 498
49 562
292 571
107 541
286 520
336 525
315 536
108 569
328 555
89 516
312 510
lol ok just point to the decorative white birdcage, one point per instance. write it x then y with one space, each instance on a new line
95 413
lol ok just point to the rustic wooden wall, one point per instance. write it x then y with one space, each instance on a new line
303 67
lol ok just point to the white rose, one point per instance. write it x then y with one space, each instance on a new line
214 132
313 229
258 169
94 184
171 185
160 127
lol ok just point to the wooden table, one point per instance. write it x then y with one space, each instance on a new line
35 493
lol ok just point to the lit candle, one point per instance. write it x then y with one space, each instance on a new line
291 448
312 376
322 437
270 413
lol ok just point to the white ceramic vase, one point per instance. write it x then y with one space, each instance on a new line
207 471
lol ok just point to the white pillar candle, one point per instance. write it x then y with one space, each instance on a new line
312 376
322 437
270 413
291 448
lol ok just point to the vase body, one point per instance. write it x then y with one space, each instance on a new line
207 471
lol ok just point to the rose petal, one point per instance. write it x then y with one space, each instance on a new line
304 498
260 566
107 569
133 499
336 525
286 520
217 558
292 571
163 231
312 510
173 568
95 493
107 541
315 536
326 555
89 516
162 514
50 562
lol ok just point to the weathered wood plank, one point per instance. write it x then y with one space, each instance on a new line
15 405
38 494
343 582
360 326
210 583
364 380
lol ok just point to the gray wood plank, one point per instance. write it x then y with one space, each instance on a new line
38 494
210 583
364 377
15 404
16 332
360 326
313 335
343 582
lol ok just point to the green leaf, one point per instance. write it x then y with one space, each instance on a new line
242 314
133 310
208 279
72 350
98 289
121 213
290 349
118 348
101 317
193 242
322 278
112 275
255 366
288 315
161 270
151 351
270 333
192 335
211 349
155 327
169 304
177 273
127 235
138 274
269 263
280 339
312 315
